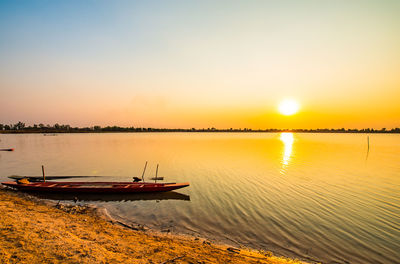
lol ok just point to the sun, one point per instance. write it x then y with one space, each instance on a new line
288 107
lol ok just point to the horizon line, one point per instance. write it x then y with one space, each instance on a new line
20 127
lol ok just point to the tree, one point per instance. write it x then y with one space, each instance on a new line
19 126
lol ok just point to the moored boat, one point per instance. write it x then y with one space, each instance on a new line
95 187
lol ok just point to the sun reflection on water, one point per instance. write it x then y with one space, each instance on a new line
287 140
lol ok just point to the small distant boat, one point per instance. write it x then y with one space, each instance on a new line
95 187
8 149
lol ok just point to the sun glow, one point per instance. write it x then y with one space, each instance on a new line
287 140
288 107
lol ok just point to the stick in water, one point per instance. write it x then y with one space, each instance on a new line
155 180
44 177
366 158
145 165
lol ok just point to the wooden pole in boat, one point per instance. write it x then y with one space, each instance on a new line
44 177
145 165
155 180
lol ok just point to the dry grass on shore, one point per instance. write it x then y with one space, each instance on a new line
32 231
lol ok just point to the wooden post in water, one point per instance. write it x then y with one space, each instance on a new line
155 180
44 177
145 165
366 158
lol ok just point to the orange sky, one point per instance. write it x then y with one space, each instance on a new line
206 64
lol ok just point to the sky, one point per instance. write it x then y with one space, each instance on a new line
200 64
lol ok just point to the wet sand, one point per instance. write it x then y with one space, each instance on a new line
37 231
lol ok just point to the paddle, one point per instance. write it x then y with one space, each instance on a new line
40 178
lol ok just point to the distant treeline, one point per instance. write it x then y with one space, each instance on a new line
20 127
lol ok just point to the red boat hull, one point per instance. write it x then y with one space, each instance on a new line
96 187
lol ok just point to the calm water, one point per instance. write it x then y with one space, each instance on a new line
312 196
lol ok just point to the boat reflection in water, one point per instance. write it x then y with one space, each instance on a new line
91 197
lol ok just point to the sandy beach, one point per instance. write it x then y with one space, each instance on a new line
36 231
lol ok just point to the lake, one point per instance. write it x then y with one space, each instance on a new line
321 197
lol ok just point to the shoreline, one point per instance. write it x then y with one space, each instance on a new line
34 230
284 253
298 131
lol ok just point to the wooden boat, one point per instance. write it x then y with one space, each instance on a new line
95 187
138 186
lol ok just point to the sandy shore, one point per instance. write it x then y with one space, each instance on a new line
35 231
